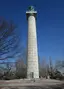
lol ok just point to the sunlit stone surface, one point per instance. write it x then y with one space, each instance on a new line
32 56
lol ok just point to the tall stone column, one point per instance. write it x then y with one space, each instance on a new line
32 51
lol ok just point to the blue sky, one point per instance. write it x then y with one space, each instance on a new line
50 24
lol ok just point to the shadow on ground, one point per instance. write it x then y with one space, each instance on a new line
48 87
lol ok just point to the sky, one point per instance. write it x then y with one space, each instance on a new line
50 24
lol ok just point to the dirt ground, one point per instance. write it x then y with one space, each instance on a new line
32 84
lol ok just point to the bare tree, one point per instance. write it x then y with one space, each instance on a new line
59 65
44 68
8 39
10 47
20 68
50 64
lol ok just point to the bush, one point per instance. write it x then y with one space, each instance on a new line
56 75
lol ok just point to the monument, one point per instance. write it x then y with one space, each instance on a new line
32 51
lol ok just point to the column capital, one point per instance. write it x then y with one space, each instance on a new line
31 12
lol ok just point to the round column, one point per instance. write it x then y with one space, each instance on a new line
32 51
